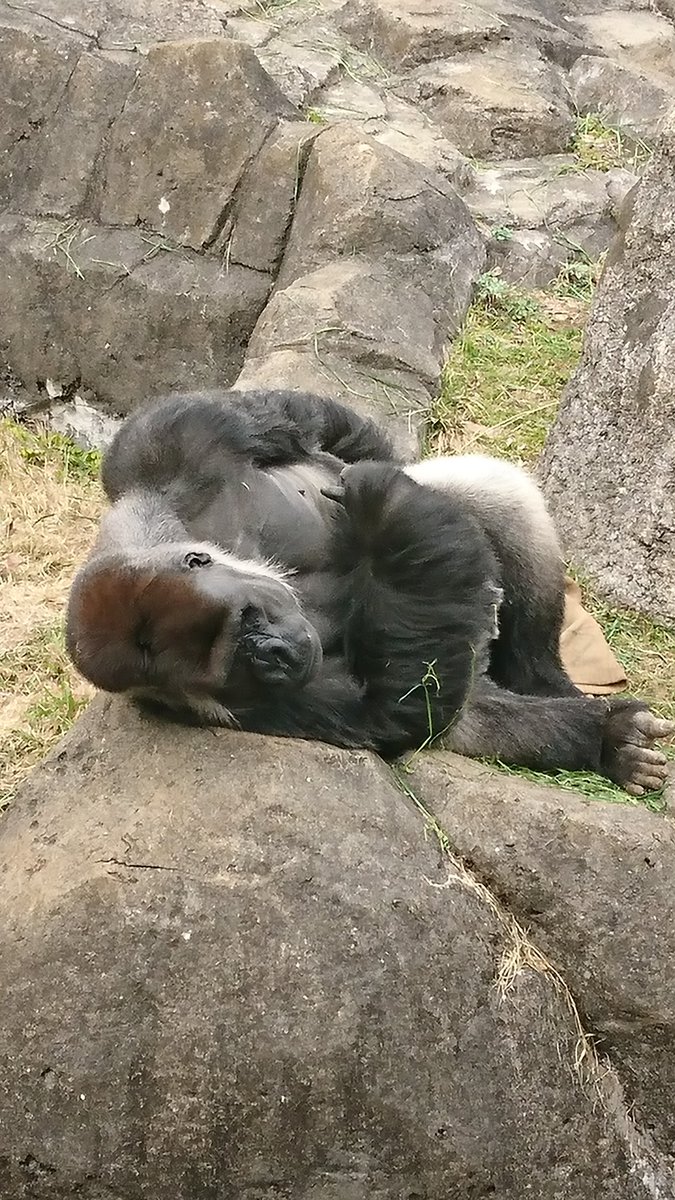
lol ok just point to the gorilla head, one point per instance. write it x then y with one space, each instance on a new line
188 620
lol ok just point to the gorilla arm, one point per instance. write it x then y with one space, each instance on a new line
419 614
185 446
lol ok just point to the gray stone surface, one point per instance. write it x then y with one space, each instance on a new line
187 124
254 975
113 312
362 200
593 884
198 114
527 257
622 97
499 103
404 33
608 465
638 40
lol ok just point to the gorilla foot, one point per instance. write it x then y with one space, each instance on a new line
628 757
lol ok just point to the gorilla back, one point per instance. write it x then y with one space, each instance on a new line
266 562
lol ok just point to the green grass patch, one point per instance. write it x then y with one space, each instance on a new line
577 278
598 146
42 449
583 783
502 380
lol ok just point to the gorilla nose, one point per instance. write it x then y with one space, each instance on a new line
277 660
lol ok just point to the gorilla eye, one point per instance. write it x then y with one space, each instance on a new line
197 558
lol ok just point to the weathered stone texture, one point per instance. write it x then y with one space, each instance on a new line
593 884
198 114
404 33
114 313
35 76
622 97
609 465
256 976
503 102
361 200
60 176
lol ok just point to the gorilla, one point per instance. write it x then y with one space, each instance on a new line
268 562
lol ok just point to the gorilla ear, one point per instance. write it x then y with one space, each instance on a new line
197 558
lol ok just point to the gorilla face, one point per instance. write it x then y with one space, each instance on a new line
183 621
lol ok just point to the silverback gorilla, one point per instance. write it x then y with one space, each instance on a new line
267 562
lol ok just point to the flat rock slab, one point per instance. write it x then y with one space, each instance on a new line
501 103
238 966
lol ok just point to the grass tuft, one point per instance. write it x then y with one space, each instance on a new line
598 146
50 501
505 371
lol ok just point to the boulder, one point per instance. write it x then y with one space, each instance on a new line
572 207
396 124
248 967
361 310
607 468
638 40
504 102
377 269
622 97
119 313
528 257
404 33
35 76
197 116
592 882
362 200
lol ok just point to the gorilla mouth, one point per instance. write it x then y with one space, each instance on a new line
279 662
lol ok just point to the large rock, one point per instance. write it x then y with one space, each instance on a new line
118 313
593 884
404 33
642 40
504 102
622 97
377 270
361 200
35 75
548 193
236 966
198 114
608 464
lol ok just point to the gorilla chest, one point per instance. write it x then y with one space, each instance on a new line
294 521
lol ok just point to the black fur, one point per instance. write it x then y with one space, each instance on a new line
399 582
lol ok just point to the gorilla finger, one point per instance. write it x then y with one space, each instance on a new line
634 789
647 757
653 727
650 783
334 492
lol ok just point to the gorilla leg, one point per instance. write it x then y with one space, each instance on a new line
611 737
511 510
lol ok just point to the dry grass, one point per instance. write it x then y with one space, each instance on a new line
505 372
50 502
